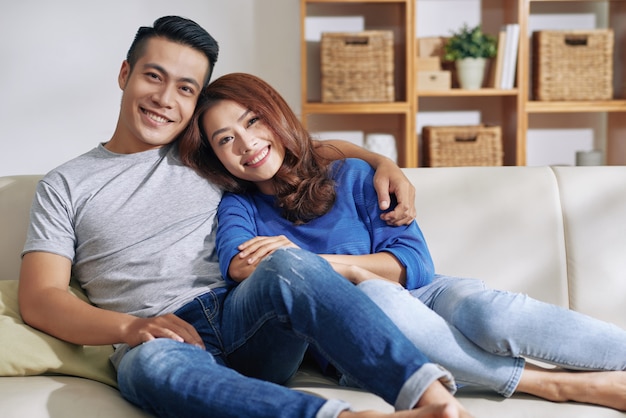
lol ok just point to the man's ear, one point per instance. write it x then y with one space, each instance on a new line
122 78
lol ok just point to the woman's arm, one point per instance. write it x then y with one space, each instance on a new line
388 180
356 274
381 264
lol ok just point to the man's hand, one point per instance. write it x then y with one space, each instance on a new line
142 330
389 179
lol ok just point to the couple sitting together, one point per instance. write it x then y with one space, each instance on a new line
308 260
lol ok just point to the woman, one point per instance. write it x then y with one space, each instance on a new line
283 193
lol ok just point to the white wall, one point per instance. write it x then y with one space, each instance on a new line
60 60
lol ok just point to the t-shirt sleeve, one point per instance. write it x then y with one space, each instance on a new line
51 223
235 225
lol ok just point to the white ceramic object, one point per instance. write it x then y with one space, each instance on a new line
384 144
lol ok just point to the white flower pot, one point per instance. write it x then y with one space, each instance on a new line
471 72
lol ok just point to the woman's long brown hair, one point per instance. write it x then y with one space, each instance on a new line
304 188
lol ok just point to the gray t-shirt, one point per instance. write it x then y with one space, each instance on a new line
138 228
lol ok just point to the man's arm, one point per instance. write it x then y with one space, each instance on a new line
389 179
46 304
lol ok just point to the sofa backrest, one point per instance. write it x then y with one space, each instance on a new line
555 233
16 195
499 224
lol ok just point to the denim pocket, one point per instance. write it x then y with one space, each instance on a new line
204 313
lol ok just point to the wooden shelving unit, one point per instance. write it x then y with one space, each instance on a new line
511 109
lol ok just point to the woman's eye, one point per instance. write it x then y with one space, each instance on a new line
253 120
225 140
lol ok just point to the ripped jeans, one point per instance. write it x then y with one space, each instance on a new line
482 335
256 335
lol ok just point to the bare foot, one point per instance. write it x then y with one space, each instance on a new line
436 402
437 394
598 388
430 411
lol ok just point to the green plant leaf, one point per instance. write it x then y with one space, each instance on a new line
469 43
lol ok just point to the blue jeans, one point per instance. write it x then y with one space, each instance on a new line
256 335
481 335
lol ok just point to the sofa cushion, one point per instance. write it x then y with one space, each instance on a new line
25 351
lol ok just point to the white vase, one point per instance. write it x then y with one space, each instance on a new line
471 72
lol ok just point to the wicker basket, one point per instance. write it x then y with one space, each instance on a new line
573 65
357 66
457 146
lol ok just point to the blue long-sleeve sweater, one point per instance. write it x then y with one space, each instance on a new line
353 225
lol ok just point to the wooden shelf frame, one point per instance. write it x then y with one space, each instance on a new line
399 16
495 14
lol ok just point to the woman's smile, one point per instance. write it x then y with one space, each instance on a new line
258 159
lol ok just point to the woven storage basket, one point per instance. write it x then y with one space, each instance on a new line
357 66
457 146
573 65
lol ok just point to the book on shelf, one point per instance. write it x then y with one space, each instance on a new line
509 64
496 72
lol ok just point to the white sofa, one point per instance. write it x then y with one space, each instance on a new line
556 233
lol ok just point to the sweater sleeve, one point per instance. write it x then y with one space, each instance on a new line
235 225
406 243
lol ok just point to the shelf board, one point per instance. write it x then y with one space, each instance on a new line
568 1
355 1
577 106
356 108
467 93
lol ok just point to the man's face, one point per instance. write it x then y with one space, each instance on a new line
159 95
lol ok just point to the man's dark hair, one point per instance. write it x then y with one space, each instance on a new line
176 29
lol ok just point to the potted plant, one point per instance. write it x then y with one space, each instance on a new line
470 48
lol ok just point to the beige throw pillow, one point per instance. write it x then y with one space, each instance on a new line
25 351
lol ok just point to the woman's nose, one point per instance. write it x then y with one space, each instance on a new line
247 143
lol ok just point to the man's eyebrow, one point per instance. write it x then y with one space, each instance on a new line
163 71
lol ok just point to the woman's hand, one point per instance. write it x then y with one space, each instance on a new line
258 248
389 179
252 252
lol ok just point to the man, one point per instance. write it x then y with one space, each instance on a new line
134 227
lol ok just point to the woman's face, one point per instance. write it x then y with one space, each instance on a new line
243 143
